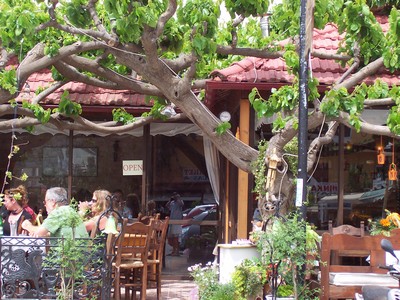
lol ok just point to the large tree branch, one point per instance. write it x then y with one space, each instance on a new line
27 68
318 142
80 123
356 78
366 127
168 14
118 128
72 73
122 81
3 57
235 24
38 98
93 13
378 102
271 54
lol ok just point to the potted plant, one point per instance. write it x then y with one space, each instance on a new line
249 278
384 225
286 246
209 288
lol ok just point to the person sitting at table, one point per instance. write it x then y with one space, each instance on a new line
13 202
100 203
25 201
62 219
120 204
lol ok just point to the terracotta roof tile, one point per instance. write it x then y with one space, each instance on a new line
83 93
325 40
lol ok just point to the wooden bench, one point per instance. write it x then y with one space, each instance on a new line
343 281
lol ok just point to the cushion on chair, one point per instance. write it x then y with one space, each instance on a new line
153 261
346 279
128 264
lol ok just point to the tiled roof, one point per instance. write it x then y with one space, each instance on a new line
327 40
82 93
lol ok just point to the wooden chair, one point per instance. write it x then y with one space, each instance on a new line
147 219
340 281
347 229
337 256
131 257
156 258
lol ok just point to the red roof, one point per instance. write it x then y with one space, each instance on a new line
273 72
84 94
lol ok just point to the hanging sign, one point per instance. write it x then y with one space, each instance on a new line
132 167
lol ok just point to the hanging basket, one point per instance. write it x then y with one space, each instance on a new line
392 172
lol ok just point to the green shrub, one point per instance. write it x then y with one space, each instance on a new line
249 277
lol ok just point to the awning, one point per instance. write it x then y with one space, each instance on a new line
373 196
349 197
332 201
167 129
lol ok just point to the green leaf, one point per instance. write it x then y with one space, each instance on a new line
67 107
222 128
121 116
8 80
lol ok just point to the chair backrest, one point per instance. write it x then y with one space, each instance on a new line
347 229
160 229
134 241
146 219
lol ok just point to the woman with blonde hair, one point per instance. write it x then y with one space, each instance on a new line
14 200
100 203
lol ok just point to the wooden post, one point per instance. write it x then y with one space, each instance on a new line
227 211
339 219
70 162
146 165
243 177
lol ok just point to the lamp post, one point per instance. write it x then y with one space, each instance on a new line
305 45
306 29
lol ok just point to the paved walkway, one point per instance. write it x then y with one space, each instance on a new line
174 290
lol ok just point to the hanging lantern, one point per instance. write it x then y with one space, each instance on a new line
392 168
381 154
392 172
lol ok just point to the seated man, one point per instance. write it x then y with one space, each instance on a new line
61 220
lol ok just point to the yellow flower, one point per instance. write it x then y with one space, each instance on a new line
394 218
384 222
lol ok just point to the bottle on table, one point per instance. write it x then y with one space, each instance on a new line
1 226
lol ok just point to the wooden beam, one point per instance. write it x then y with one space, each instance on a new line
146 166
339 220
70 162
227 211
243 177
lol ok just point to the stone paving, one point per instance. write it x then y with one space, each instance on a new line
174 290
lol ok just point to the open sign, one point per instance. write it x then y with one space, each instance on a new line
132 167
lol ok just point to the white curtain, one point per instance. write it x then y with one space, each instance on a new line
212 162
